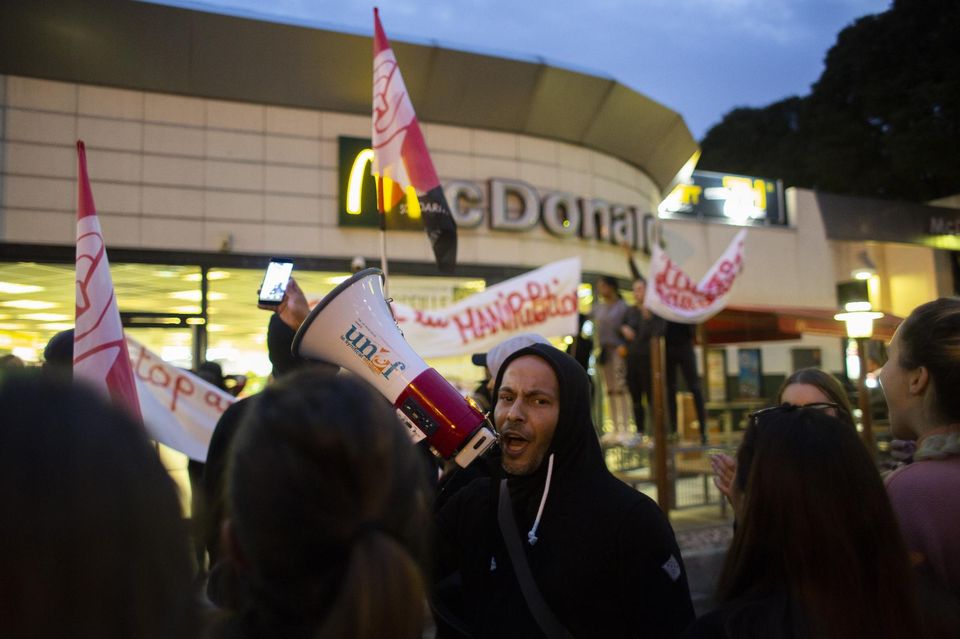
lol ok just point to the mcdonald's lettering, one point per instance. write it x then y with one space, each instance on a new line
560 214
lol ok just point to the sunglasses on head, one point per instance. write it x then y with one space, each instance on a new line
790 407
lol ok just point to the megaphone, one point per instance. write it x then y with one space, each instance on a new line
353 327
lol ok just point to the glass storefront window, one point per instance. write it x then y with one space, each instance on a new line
37 301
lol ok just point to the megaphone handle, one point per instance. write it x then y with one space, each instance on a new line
481 441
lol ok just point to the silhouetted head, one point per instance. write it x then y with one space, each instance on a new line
93 540
329 510
58 353
815 533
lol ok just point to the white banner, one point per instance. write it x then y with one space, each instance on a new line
542 301
179 409
672 295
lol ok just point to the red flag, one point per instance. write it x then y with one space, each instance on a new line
401 161
100 355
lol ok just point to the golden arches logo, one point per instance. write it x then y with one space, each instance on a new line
355 187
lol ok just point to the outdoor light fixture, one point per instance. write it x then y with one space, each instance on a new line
859 327
853 297
859 323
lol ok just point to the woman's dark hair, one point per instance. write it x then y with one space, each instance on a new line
329 510
930 337
93 543
817 551
826 384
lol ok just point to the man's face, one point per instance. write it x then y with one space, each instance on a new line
639 290
526 413
604 290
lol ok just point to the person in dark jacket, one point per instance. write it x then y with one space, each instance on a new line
679 346
328 508
222 586
603 555
639 325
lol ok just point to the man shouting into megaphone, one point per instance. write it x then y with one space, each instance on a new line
556 546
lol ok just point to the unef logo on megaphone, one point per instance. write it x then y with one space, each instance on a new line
373 355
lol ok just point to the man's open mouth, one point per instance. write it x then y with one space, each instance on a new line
513 444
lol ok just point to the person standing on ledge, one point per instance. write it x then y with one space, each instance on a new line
680 353
608 313
639 326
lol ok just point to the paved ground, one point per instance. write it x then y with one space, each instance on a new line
703 534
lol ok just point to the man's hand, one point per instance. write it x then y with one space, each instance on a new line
293 308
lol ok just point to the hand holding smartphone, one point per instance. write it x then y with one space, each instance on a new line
275 281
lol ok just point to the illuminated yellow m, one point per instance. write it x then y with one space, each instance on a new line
355 187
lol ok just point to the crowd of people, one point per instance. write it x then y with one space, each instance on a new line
624 335
323 520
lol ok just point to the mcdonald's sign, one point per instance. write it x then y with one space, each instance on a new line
357 200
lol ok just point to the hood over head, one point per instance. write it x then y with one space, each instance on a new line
575 445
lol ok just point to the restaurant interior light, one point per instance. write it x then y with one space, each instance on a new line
31 305
11 288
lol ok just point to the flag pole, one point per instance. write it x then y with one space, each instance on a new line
383 236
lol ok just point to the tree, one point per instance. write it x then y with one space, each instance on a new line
883 119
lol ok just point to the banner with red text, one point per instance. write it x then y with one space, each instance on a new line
542 301
672 295
179 409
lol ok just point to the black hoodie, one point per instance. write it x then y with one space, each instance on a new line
606 559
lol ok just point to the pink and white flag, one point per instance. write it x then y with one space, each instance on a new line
100 356
401 161
672 295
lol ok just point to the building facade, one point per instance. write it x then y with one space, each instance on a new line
215 142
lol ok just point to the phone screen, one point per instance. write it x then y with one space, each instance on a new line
275 281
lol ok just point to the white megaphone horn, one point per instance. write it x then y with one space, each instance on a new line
353 327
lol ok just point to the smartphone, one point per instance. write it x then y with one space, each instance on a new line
275 281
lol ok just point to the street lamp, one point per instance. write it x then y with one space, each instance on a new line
860 327
859 323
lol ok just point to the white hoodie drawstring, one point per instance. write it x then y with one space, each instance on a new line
532 535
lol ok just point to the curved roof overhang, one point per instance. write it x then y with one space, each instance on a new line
159 48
